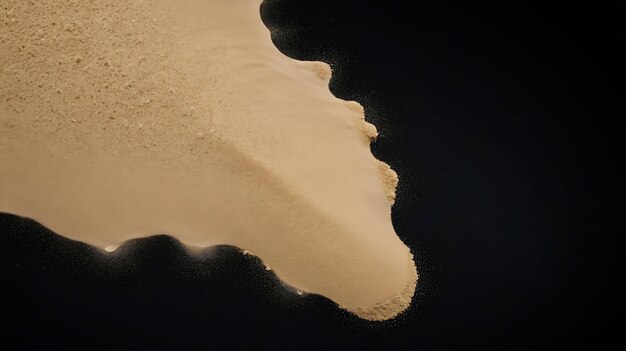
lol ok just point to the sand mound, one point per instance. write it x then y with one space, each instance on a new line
124 119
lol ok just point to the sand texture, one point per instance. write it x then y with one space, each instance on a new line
125 119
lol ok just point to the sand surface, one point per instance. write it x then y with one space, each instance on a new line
125 119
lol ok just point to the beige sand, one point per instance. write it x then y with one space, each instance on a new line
124 119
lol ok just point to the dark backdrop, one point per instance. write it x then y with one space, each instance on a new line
501 120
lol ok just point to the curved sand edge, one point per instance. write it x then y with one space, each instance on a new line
393 307
378 312
399 303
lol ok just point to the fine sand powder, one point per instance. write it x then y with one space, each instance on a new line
124 119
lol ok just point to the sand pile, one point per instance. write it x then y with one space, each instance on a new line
125 119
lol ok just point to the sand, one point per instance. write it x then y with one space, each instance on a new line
125 119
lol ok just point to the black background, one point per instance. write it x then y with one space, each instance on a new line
501 120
